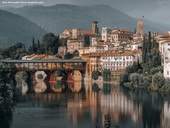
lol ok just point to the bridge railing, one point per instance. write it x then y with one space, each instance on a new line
44 66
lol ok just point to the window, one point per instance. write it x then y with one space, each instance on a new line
167 72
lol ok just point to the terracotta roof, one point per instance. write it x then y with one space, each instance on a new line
84 48
70 31
119 70
97 46
50 57
76 58
127 53
166 36
90 33
39 56
30 56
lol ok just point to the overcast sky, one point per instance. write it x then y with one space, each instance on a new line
153 10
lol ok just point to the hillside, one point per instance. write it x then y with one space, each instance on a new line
15 28
59 17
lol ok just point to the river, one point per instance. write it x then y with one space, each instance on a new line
77 105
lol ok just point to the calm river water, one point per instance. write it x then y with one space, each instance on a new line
77 105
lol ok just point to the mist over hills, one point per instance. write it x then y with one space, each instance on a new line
59 17
15 28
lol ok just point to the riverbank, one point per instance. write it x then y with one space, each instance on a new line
153 80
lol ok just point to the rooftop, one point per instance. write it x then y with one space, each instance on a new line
44 61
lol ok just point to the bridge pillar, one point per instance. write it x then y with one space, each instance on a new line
29 81
49 76
67 76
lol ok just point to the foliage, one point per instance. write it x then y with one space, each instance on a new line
68 56
107 122
124 77
50 43
158 80
15 51
106 75
40 76
6 91
155 70
149 44
95 75
133 68
166 87
63 42
86 41
144 51
76 54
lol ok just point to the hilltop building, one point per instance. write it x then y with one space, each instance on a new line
140 27
95 28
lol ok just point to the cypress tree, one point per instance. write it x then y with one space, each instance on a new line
149 43
154 43
144 51
33 45
38 44
135 30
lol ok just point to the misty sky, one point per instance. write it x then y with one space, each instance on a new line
153 10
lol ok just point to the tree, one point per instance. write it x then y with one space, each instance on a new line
149 44
144 51
50 43
156 58
63 42
68 56
76 53
106 75
39 45
135 30
86 41
153 43
15 51
95 75
33 45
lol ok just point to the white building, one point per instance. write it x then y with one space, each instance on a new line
166 58
97 49
118 60
84 50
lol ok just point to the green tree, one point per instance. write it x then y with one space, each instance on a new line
76 53
33 46
86 41
135 30
68 56
39 46
63 42
153 43
144 51
95 75
15 51
149 44
106 75
50 43
107 122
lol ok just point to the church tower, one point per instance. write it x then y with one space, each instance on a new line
95 28
140 27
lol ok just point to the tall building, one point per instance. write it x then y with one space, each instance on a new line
95 28
140 27
106 33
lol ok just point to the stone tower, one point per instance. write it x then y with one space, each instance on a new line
95 27
140 27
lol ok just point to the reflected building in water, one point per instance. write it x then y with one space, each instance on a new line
91 101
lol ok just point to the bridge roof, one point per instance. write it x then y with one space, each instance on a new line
44 61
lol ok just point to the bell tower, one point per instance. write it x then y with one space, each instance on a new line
95 28
140 27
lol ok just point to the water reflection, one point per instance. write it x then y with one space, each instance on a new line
85 105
